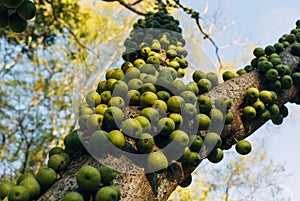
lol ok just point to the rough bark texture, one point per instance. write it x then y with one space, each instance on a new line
136 186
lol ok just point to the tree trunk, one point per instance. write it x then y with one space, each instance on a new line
136 186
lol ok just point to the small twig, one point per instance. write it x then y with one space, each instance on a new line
196 16
129 6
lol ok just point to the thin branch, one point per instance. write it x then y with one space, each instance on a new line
196 16
129 6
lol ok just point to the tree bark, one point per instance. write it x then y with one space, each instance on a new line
136 186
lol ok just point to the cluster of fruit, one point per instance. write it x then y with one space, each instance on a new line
15 14
91 181
156 32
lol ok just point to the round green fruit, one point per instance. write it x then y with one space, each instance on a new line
132 127
73 141
26 10
227 75
196 143
147 99
286 82
72 196
93 99
212 140
198 75
215 156
243 147
108 174
194 158
5 188
179 139
58 162
229 117
145 143
46 177
156 161
88 178
186 182
252 94
107 193
203 121
204 85
266 96
204 103
272 75
117 138
33 187
16 23
175 104
18 193
258 52
249 112
25 176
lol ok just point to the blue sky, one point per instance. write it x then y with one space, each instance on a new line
262 23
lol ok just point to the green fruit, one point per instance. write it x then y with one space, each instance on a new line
275 86
169 71
179 139
25 176
227 75
149 79
198 75
73 141
175 104
93 99
153 60
296 78
132 128
185 156
145 51
213 78
5 188
148 87
258 52
284 111
269 50
275 61
192 86
18 193
229 117
243 147
33 187
72 196
216 116
11 3
202 121
117 138
147 99
117 189
174 64
177 118
120 88
88 178
178 86
171 53
241 71
139 62
272 75
286 82
133 97
212 140
259 106
100 109
111 118
108 174
248 68
204 103
215 156
46 177
194 158
186 182
204 85
107 193
156 162
132 73
151 114
16 23
189 112
148 69
26 10
277 120
135 84
291 38
145 123
265 115
58 162
220 103
196 143
249 112
94 122
86 110
188 96
264 66
281 69
145 143
279 48
99 141
274 110
116 101
266 96
160 106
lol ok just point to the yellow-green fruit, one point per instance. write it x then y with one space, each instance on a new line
203 121
107 193
5 188
227 75
16 23
215 156
252 94
55 150
108 174
88 178
32 186
145 143
73 141
194 158
27 10
93 99
196 143
204 103
73 196
58 162
179 139
204 85
117 138
24 176
229 117
258 52
156 161
117 189
212 140
18 193
249 112
243 147
132 128
46 177
266 96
